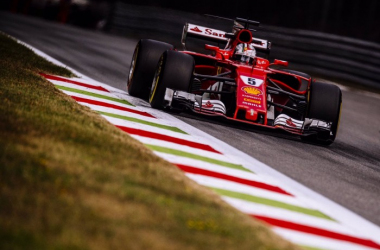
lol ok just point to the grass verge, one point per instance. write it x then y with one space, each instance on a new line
70 180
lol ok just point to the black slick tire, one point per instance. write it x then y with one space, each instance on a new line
174 71
324 104
143 65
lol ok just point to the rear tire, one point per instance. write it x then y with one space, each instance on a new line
174 71
324 104
143 65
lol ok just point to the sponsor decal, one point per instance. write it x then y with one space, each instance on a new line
252 101
252 81
290 122
252 104
263 43
252 97
261 62
196 29
212 105
214 33
218 34
207 105
251 90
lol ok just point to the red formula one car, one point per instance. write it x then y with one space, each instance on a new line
235 83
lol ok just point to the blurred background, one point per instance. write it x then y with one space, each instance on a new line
85 13
337 39
356 19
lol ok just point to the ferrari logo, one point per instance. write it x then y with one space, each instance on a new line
251 90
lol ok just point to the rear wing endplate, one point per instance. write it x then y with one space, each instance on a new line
198 31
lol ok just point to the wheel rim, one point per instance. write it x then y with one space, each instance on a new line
337 126
156 78
133 65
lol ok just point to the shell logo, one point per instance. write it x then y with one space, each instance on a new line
251 90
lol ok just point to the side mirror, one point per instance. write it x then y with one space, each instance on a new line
280 62
211 47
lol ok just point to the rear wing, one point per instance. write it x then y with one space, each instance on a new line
192 30
205 33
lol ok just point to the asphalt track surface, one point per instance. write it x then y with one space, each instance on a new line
347 172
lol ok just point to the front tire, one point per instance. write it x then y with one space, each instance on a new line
143 65
324 104
174 71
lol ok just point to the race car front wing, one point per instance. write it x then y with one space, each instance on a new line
181 99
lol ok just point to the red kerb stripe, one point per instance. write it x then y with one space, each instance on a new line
255 184
108 105
57 78
167 138
317 231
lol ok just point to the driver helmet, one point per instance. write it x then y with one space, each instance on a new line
245 53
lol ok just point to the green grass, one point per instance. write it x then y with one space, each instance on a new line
71 180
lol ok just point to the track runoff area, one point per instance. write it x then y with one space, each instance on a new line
293 211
